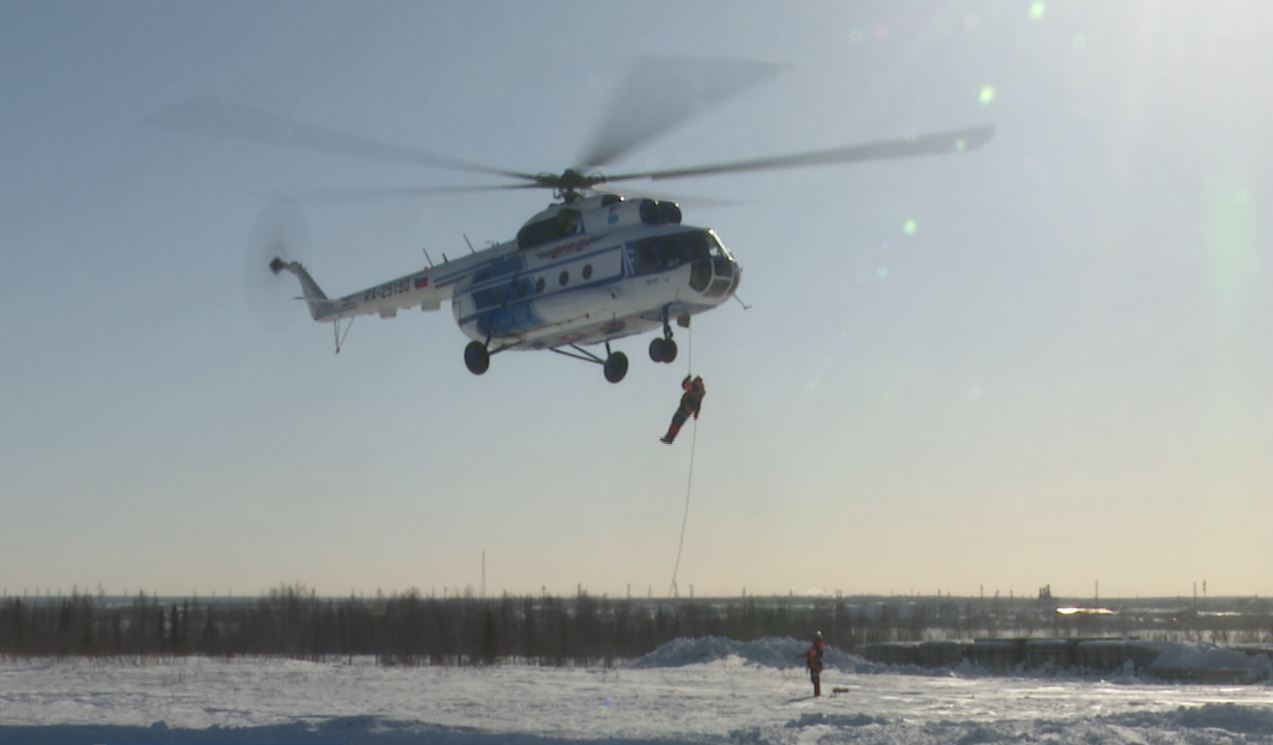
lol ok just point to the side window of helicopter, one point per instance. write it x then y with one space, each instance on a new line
647 257
698 246
539 284
587 271
564 278
671 251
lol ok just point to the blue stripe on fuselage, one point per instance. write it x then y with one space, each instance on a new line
482 316
508 320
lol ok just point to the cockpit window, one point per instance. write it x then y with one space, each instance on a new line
668 251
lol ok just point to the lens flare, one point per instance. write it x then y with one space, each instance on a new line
987 94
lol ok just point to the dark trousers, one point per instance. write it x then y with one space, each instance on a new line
816 677
678 421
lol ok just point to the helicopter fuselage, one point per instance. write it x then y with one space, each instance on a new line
586 272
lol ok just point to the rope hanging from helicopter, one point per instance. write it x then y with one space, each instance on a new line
689 480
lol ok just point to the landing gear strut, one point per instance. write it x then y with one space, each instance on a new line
615 364
664 349
477 355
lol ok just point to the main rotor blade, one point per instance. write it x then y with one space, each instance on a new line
936 143
212 117
662 92
381 193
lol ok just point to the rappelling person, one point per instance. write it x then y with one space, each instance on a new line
813 662
691 403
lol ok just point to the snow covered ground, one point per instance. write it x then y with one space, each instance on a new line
702 691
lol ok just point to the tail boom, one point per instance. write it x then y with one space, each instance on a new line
413 290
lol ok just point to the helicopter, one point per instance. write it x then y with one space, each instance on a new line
597 265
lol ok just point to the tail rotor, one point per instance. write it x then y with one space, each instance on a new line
280 236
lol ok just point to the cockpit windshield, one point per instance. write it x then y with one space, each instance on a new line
668 251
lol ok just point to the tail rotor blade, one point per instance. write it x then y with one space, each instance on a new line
281 234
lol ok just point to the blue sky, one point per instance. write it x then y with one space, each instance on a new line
1058 376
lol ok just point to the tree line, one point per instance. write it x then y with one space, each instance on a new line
410 629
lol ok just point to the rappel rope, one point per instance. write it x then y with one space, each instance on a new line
689 480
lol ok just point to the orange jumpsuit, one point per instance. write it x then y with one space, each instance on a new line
691 403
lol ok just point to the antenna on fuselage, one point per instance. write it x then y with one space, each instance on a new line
428 257
466 240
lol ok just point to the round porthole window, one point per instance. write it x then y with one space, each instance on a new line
564 278
587 271
539 285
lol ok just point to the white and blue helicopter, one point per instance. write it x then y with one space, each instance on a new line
595 266
583 272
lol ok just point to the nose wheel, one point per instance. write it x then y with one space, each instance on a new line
663 350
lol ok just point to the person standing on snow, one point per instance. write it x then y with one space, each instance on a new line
813 662
691 403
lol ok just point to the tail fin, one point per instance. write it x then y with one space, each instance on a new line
313 295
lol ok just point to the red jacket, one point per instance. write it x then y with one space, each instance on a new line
813 658
692 399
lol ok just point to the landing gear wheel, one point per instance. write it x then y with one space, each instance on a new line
662 350
476 358
616 366
669 350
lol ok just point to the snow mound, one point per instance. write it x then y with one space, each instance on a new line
1234 718
838 721
768 652
1241 720
1198 656
350 730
